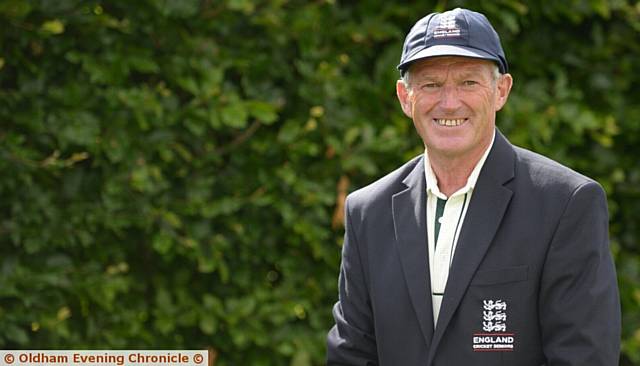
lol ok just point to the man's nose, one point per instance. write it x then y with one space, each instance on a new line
449 98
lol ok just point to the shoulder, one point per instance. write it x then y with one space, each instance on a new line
547 171
381 191
544 175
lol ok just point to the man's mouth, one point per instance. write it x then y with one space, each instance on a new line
449 122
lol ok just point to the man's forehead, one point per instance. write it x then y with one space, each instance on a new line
442 63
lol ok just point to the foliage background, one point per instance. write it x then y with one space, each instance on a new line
172 171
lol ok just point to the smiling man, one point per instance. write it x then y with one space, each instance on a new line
476 252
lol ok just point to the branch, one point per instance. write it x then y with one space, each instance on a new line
240 139
341 196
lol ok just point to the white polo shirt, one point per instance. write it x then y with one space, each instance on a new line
451 212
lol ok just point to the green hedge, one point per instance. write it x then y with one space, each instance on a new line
172 171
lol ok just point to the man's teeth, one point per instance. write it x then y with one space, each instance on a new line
449 122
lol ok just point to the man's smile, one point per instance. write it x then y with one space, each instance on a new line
450 122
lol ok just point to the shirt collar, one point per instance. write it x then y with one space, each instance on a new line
432 181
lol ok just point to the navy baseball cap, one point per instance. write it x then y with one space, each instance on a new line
457 32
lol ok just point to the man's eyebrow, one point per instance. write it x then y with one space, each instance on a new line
472 72
427 77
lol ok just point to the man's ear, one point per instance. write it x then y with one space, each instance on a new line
505 82
404 98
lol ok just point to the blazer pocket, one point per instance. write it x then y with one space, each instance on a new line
501 275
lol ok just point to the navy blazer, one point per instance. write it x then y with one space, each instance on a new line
532 280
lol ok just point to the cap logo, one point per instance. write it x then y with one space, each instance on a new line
447 27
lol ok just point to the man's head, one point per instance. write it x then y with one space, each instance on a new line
454 80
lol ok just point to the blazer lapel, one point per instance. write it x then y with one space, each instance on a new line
486 209
409 219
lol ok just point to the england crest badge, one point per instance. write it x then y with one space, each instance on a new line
494 336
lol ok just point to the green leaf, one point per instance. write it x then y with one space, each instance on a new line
15 8
163 242
301 358
144 64
208 324
189 84
16 334
235 115
80 128
262 111
53 27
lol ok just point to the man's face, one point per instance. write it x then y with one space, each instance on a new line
453 103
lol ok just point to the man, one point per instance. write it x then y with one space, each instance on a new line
476 252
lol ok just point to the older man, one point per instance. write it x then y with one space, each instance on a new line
476 252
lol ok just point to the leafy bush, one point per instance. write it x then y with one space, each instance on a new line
173 170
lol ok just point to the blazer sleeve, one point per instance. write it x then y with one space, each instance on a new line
579 303
351 341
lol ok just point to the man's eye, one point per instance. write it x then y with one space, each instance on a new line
469 82
429 85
